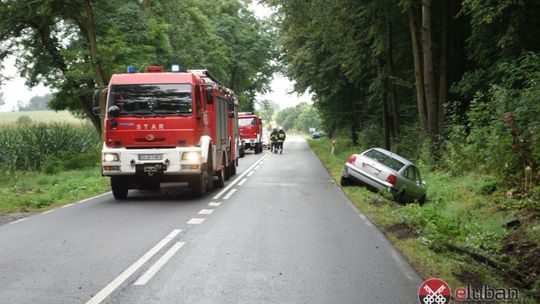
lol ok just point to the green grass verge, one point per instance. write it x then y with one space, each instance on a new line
456 212
34 191
7 118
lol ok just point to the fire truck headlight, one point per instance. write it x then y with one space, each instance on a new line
191 156
111 157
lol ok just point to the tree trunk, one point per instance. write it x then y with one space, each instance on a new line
393 98
420 97
384 97
354 123
443 78
87 27
429 82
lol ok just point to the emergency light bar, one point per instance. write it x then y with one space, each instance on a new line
131 69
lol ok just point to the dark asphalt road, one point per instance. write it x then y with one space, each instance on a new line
283 233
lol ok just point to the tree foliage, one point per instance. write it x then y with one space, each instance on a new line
457 71
73 46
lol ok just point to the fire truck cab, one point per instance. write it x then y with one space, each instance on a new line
168 127
250 126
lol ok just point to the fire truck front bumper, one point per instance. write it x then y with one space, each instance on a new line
150 162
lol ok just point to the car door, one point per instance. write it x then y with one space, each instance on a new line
420 188
409 182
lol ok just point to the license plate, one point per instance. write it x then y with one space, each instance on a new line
150 156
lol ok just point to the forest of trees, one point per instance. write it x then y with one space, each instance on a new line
455 80
73 46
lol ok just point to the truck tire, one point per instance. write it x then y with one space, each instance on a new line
198 184
227 170
209 172
256 149
119 188
233 167
242 152
220 182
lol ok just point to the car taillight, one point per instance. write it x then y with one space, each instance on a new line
391 179
351 159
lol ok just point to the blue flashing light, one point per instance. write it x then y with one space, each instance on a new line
131 69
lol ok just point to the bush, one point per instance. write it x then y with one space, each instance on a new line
31 147
24 120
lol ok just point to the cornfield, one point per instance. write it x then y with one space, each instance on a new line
29 146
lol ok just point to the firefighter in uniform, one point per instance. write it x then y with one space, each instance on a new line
280 139
273 139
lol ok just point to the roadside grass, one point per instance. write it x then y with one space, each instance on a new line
27 191
7 118
456 212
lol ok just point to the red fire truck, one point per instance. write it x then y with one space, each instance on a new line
250 126
168 127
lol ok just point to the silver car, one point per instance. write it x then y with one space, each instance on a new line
381 169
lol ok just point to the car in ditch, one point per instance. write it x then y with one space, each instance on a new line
380 169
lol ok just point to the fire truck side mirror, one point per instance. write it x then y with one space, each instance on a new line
114 111
95 98
209 97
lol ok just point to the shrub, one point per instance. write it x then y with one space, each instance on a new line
24 120
27 147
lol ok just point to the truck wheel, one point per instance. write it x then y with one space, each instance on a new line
261 148
119 188
198 184
422 200
242 152
220 182
233 167
228 173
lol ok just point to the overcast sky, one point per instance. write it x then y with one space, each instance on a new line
15 90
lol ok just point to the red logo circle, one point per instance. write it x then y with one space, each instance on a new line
434 291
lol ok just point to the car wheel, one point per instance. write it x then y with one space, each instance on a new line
345 181
400 197
422 200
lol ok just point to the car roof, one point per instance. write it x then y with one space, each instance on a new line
405 161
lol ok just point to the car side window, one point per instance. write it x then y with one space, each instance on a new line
410 173
417 174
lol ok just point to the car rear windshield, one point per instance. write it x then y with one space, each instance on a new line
152 99
384 159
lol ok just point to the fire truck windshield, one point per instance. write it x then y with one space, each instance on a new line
152 99
242 122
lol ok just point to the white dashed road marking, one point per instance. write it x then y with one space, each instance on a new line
250 173
214 204
107 290
206 211
229 194
242 182
217 196
159 263
256 168
195 221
